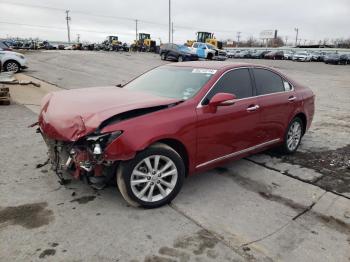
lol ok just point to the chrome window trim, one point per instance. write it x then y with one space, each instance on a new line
239 152
246 67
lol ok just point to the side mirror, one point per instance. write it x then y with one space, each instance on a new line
222 99
119 85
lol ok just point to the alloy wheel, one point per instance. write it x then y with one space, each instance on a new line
294 135
12 67
153 178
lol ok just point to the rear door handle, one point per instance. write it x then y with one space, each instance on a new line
292 98
253 108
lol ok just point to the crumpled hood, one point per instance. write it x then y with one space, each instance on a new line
72 114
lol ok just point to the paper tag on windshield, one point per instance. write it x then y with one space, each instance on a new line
203 71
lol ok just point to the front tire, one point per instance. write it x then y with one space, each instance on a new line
180 59
293 136
12 66
153 178
163 56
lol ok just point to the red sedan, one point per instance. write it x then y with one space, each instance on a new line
171 122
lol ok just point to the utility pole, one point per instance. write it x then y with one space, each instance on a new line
68 18
136 22
172 32
78 38
286 43
296 37
169 21
238 37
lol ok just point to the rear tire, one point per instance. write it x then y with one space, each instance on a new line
293 135
180 58
153 178
210 56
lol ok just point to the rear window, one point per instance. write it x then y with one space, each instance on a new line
267 82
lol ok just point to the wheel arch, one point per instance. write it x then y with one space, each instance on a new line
303 118
179 147
11 60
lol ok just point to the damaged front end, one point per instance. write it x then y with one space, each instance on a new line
82 159
72 124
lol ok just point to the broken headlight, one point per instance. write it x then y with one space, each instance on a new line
99 142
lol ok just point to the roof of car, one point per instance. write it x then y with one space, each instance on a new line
216 65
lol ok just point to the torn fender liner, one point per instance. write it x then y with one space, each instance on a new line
71 114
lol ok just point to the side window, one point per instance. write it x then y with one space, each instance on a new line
267 82
287 86
237 82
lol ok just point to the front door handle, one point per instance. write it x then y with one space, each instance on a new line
253 108
292 98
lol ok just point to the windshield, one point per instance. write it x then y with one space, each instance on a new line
172 82
210 46
184 48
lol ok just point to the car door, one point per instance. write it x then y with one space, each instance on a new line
230 129
171 51
201 50
277 101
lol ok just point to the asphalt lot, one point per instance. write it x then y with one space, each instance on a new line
264 208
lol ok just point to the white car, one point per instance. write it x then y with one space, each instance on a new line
12 61
302 56
208 51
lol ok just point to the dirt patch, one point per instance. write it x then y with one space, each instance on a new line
173 252
198 243
333 164
28 215
84 199
155 258
202 242
47 252
285 201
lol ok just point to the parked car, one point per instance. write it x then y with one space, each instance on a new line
333 58
172 122
208 51
259 54
315 56
302 56
46 45
178 53
243 54
4 46
275 55
344 59
230 53
12 61
288 55
323 55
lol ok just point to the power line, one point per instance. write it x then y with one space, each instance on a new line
59 28
116 17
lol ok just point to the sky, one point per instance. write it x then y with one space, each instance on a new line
94 20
